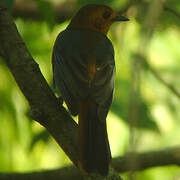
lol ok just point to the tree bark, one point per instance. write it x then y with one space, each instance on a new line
46 108
169 156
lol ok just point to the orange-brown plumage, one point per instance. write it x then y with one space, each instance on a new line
91 17
83 61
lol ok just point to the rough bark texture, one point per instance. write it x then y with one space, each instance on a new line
48 111
45 106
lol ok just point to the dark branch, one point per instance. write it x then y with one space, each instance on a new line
30 10
167 84
177 14
45 107
158 76
129 162
64 11
141 161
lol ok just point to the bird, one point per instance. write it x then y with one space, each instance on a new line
83 72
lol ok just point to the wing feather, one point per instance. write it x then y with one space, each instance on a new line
73 52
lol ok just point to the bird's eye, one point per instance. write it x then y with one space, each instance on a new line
106 14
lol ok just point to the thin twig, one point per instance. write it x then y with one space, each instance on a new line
167 84
177 14
158 76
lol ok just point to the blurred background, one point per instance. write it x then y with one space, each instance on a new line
145 114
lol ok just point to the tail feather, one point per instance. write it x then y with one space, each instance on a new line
94 151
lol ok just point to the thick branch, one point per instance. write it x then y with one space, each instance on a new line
45 106
29 9
67 173
142 161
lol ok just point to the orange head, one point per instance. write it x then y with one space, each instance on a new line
95 17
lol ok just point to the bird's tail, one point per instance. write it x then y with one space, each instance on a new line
94 150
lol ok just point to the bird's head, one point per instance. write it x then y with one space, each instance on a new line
95 17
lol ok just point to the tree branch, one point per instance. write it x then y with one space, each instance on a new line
45 106
177 14
64 11
67 173
167 84
170 156
48 111
30 10
158 76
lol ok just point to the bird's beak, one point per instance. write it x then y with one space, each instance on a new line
120 18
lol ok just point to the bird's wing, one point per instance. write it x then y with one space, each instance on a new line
72 54
69 72
60 77
103 83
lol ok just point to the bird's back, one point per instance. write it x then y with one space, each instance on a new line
73 50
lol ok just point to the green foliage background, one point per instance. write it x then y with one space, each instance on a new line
26 146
